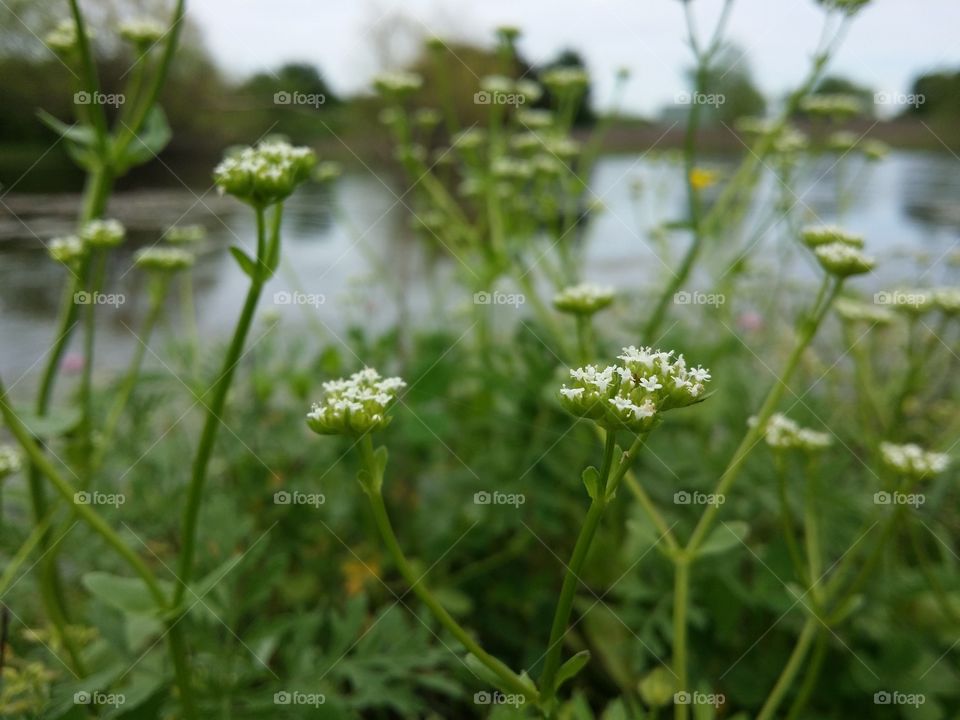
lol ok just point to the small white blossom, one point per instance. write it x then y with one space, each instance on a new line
912 460
185 234
782 433
9 461
948 300
355 405
103 233
855 311
142 31
816 235
67 250
160 259
397 83
265 174
634 393
842 259
583 299
836 106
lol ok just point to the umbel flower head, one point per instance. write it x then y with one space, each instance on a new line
68 250
63 38
633 393
185 234
142 31
814 236
397 84
842 259
161 259
913 461
265 174
583 299
9 461
948 300
103 234
782 433
355 405
837 105
854 311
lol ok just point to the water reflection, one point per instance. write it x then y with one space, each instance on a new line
352 254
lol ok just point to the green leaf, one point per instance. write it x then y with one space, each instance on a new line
148 142
247 263
53 425
80 141
129 595
591 478
485 674
78 133
726 537
571 667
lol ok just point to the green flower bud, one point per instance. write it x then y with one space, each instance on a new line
816 235
142 32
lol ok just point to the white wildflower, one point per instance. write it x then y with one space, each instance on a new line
912 460
355 405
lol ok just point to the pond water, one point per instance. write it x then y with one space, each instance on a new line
350 255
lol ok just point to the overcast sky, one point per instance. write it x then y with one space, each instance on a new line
350 40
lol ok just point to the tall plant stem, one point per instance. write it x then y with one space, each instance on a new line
382 519
808 330
790 670
572 578
215 409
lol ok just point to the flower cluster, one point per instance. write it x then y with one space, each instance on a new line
160 259
912 460
814 236
583 299
843 259
634 393
855 311
68 250
142 32
355 405
185 234
9 461
782 433
563 79
265 174
63 38
837 106
397 83
948 300
102 234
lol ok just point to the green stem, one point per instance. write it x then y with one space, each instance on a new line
510 679
98 273
811 532
572 578
215 410
774 395
810 677
788 523
681 602
790 670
